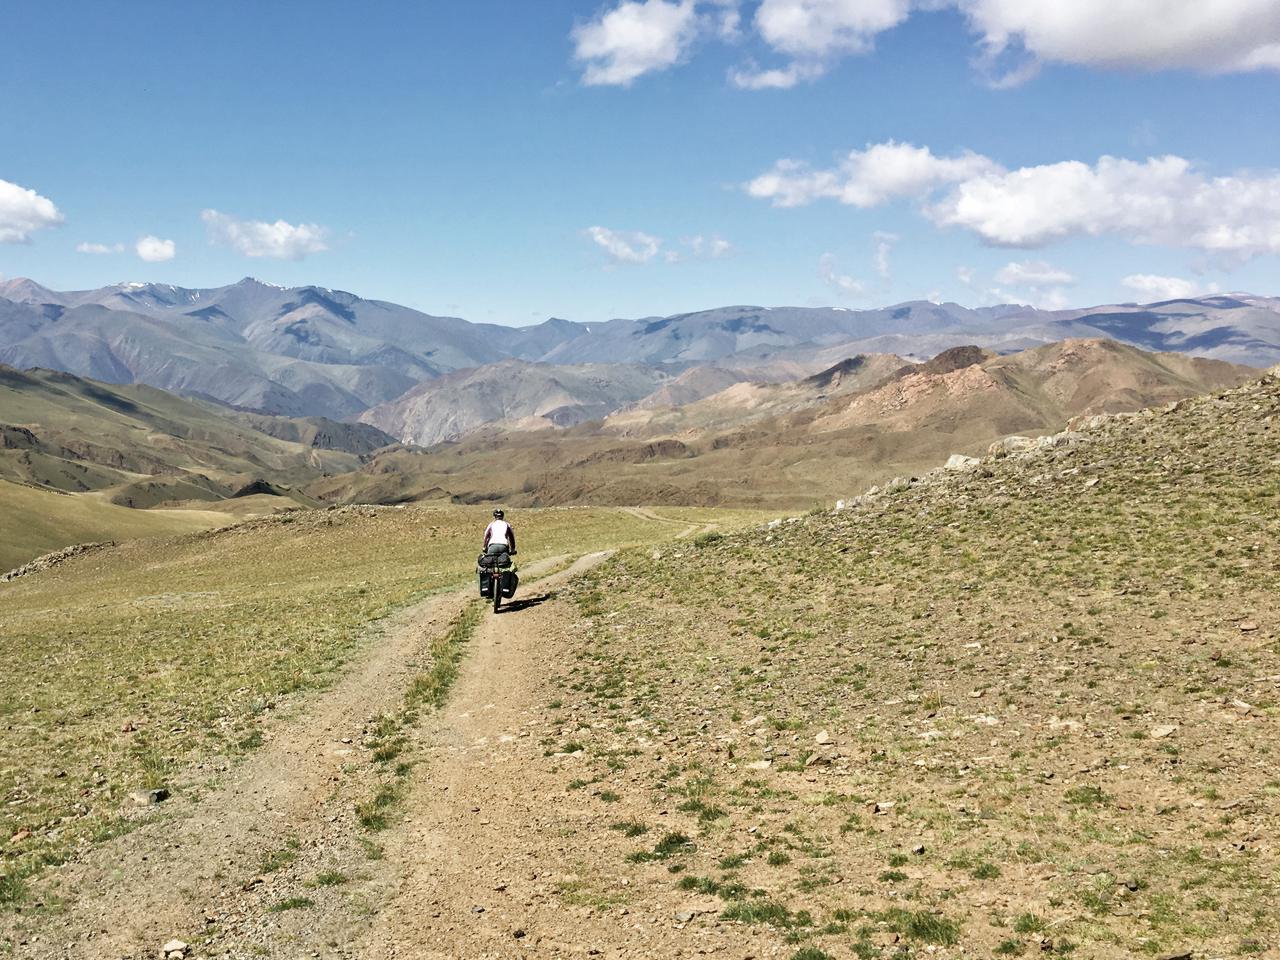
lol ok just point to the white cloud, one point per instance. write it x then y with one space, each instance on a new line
1036 282
884 247
846 285
99 248
154 250
1162 200
783 78
1221 36
1033 273
636 247
727 20
867 178
256 238
23 212
713 247
625 246
1155 287
634 38
965 275
817 29
1015 37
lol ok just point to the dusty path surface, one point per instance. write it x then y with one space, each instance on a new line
497 857
688 529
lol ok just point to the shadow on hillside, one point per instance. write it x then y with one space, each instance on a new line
525 603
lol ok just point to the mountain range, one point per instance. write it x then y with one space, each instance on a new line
82 459
313 351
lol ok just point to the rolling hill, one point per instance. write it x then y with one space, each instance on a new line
36 521
748 401
793 444
513 394
75 454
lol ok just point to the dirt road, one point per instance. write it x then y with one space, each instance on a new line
489 855
498 857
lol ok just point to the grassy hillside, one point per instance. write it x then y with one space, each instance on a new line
126 667
35 521
86 435
117 446
1025 708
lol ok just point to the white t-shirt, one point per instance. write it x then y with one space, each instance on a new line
497 532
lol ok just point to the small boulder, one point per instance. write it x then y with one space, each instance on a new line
146 798
1015 444
958 461
174 949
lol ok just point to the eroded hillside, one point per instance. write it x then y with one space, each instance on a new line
791 445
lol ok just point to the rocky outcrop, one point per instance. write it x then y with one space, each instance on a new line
50 560
1053 449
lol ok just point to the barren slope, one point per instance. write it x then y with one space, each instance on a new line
790 445
746 402
513 394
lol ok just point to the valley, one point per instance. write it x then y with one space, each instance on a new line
1017 707
884 398
738 407
1009 695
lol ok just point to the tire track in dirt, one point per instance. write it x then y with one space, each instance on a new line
644 513
495 858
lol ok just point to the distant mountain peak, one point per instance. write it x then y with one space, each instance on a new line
255 282
24 290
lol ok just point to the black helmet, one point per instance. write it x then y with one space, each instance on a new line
497 514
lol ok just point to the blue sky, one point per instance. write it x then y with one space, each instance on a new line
457 156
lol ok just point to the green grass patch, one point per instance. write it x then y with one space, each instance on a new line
766 911
330 878
630 828
922 926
